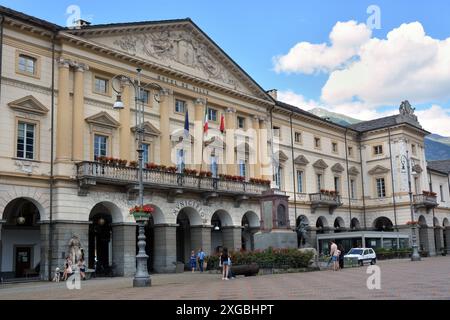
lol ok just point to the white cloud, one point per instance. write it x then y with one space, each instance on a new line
297 100
435 119
346 39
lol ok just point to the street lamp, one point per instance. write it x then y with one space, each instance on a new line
141 278
405 160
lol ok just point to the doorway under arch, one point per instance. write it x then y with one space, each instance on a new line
187 218
250 225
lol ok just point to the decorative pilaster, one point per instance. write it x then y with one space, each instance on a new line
256 147
164 110
264 160
232 238
230 124
64 116
78 112
199 105
165 245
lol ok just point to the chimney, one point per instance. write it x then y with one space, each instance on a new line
273 93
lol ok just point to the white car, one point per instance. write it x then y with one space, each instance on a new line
363 255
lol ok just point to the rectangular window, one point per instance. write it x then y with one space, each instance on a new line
319 182
243 168
350 151
317 143
299 181
212 114
378 150
25 140
441 191
146 153
337 184
279 177
180 106
334 147
101 85
241 122
276 131
352 189
100 146
214 167
413 149
145 96
298 137
27 64
381 188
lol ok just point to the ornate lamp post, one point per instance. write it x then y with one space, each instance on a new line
141 278
406 160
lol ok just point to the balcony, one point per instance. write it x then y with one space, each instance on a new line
324 200
425 200
93 173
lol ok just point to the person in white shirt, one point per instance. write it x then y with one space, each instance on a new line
334 252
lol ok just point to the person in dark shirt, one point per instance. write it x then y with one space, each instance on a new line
341 257
225 263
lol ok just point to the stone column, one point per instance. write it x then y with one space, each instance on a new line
439 239
165 253
199 115
63 111
428 240
124 115
311 235
230 154
256 148
165 108
232 238
447 239
406 229
201 238
78 112
124 249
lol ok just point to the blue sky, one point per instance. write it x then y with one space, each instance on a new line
254 32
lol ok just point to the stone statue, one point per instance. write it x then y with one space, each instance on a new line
75 248
302 230
406 109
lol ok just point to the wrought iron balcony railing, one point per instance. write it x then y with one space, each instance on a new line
92 173
330 201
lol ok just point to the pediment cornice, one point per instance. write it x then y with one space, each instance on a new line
28 104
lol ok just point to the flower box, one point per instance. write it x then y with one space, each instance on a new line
142 213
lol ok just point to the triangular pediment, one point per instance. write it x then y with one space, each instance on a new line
28 104
320 164
337 168
178 44
149 129
103 119
301 160
281 156
378 170
353 171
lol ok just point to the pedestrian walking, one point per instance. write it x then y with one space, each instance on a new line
201 258
341 256
193 261
225 263
334 252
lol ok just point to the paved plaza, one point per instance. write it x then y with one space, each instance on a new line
400 279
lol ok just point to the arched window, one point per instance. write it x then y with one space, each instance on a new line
281 216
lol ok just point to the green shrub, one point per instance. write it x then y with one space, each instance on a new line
270 258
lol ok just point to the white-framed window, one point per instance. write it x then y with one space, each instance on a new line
101 85
278 177
27 64
146 153
276 131
214 167
180 106
212 114
241 122
352 189
381 188
337 184
316 142
243 168
181 163
319 181
377 150
298 137
300 182
26 140
441 191
334 147
145 96
100 146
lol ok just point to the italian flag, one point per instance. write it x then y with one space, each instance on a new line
205 126
222 124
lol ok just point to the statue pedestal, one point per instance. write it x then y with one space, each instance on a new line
275 239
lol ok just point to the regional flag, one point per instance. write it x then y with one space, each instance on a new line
186 123
222 123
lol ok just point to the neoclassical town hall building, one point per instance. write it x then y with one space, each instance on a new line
58 182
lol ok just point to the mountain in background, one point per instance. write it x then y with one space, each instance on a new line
436 147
